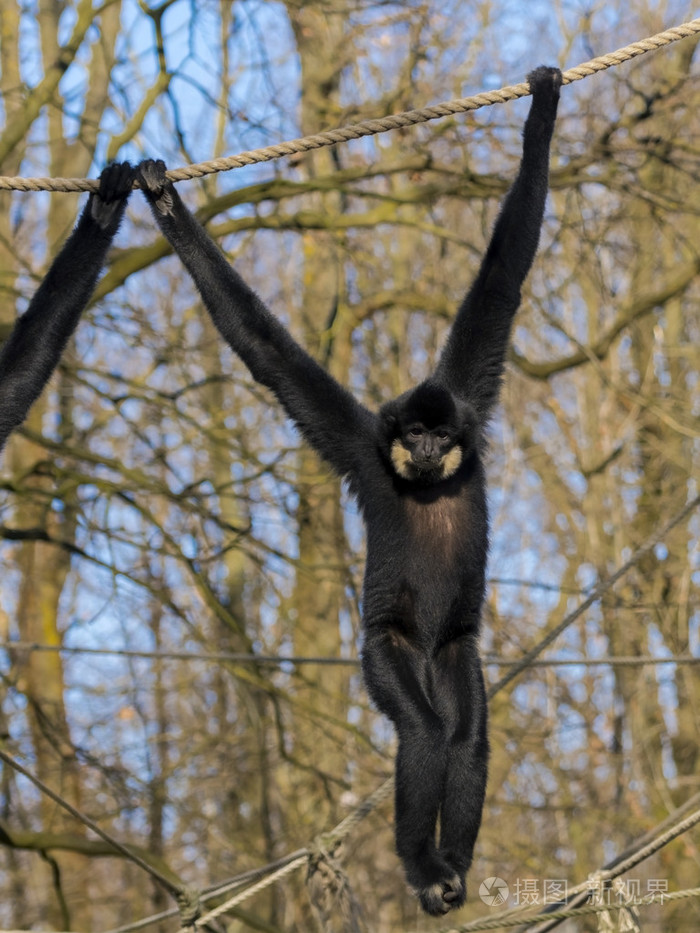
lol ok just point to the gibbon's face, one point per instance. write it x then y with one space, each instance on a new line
425 454
425 434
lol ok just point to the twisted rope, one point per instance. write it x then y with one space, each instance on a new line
373 127
249 892
327 841
493 923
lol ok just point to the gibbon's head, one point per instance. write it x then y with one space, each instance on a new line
427 433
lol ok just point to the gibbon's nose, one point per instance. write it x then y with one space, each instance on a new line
428 456
431 450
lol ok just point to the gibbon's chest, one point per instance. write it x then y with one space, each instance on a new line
435 527
426 528
425 564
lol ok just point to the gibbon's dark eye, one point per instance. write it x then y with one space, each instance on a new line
415 432
443 435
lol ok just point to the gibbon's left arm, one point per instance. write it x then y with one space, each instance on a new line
330 418
471 364
35 345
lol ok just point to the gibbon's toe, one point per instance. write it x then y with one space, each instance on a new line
439 898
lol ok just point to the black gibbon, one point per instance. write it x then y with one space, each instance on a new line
34 347
416 470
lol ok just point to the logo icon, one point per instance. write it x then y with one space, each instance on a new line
494 891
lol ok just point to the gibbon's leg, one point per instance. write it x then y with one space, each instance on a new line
396 678
461 700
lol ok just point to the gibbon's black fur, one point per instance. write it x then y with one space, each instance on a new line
40 335
416 470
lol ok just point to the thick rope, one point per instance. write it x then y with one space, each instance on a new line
373 127
327 841
217 890
676 824
492 923
299 862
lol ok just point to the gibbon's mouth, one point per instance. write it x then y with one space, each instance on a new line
427 466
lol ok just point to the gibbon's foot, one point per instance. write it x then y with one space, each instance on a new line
155 185
439 898
438 885
151 174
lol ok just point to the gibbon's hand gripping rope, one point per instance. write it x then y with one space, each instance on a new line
372 127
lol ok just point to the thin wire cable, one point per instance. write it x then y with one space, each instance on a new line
171 886
597 592
373 127
233 656
280 660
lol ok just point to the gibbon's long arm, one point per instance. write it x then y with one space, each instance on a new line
35 345
329 417
471 364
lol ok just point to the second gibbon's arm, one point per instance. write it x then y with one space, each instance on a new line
35 345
